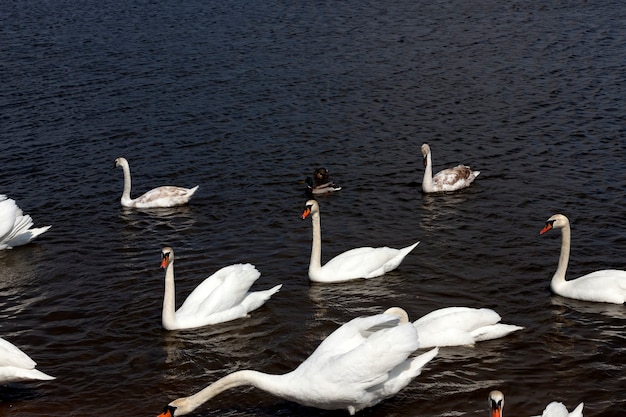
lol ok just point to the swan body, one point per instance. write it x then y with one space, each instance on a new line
365 262
606 286
451 179
222 297
15 226
554 409
16 366
358 365
455 326
160 197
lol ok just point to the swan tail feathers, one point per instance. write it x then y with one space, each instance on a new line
495 331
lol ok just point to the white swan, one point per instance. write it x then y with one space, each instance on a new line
222 297
356 263
554 409
457 326
166 196
358 365
15 226
450 179
16 366
606 286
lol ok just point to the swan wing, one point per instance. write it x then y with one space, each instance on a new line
8 213
14 374
11 355
16 366
456 326
454 178
165 196
465 318
15 227
350 335
221 291
365 262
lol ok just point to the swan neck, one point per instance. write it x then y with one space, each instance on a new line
427 181
265 382
168 316
315 264
559 275
127 182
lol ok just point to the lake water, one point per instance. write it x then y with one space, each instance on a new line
246 99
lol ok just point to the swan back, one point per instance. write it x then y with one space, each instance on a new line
454 326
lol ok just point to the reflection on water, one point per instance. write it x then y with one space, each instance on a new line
616 311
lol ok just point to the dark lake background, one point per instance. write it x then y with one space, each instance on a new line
246 99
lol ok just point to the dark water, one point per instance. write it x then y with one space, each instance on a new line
246 99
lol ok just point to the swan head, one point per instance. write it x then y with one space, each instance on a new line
120 162
400 312
496 403
311 207
168 411
425 152
558 221
167 257
176 408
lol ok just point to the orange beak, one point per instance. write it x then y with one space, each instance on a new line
547 227
496 412
306 212
167 412
164 262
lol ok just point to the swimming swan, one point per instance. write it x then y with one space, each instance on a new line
606 286
356 263
15 226
358 365
160 197
450 179
222 297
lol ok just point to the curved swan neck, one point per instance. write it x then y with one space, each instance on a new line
316 248
265 382
168 316
559 275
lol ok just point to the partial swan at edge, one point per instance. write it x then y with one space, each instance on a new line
16 366
15 226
